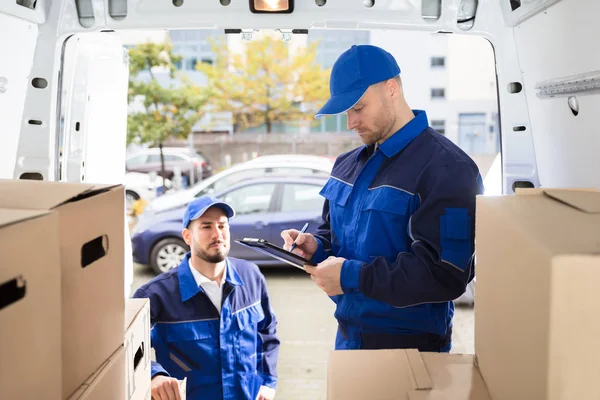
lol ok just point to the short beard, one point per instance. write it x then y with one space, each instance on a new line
213 259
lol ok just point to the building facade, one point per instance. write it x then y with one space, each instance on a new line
452 77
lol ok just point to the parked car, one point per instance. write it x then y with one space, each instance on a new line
270 166
264 207
140 186
148 160
308 158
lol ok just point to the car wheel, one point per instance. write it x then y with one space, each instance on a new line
130 198
167 254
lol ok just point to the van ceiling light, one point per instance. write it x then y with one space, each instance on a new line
272 6
587 83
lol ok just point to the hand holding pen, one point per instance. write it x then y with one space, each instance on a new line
304 228
304 244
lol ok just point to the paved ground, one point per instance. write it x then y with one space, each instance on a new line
307 328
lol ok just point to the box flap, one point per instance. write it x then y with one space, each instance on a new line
361 374
541 191
586 201
559 220
107 382
11 216
28 194
133 307
419 372
454 377
444 395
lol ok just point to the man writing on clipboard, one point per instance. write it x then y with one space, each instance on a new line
397 242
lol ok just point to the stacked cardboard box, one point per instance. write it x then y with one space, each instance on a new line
137 349
538 280
30 306
62 247
536 330
403 375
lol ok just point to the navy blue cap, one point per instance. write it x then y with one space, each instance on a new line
198 207
353 72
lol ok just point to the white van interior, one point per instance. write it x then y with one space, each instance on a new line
64 75
547 75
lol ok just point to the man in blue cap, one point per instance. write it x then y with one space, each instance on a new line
211 318
397 242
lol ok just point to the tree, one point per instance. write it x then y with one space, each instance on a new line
265 84
160 111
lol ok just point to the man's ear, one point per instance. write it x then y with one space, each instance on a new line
187 236
392 87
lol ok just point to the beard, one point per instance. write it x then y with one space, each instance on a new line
211 255
380 127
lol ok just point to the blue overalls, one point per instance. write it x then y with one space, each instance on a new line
404 220
227 356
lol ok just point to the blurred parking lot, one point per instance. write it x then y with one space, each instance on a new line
307 329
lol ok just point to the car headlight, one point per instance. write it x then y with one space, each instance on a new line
147 211
140 226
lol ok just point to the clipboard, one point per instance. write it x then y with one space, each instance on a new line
276 252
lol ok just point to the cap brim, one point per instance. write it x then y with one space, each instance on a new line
341 103
223 206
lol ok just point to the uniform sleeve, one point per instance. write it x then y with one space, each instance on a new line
439 265
323 236
156 340
268 342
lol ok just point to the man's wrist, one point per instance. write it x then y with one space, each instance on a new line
319 255
268 381
350 275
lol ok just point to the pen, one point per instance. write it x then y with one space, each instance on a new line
301 232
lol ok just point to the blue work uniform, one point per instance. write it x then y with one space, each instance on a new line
403 217
226 356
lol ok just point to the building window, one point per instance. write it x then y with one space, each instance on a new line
438 93
438 62
439 125
332 43
190 63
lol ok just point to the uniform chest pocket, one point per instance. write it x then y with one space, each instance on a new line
246 339
193 345
249 317
337 193
385 216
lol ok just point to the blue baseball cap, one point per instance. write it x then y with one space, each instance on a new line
353 72
198 207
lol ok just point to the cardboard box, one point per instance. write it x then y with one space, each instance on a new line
538 279
403 375
107 382
91 222
137 348
30 305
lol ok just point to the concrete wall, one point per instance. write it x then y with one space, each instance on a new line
223 149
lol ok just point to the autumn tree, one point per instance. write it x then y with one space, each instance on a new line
266 83
160 110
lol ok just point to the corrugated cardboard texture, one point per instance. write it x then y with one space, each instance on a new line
108 382
517 238
454 377
91 221
93 301
137 348
30 336
574 328
44 195
402 375
363 374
